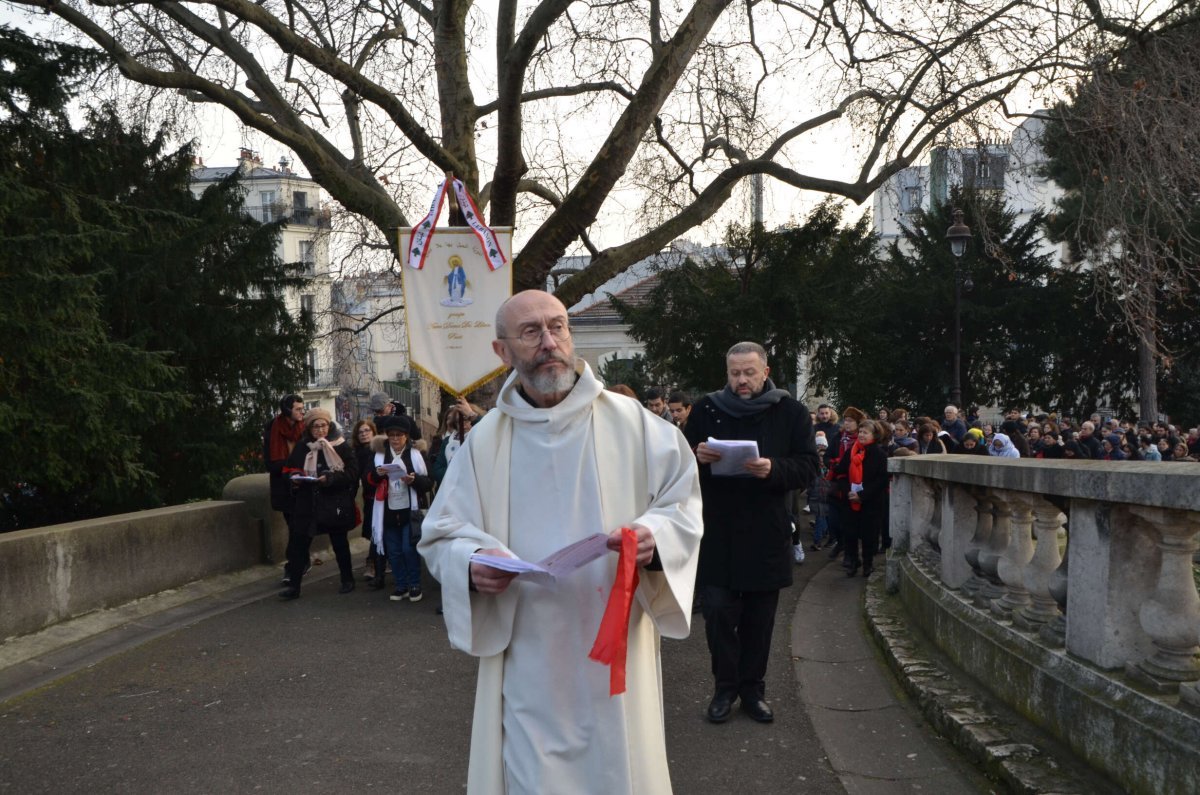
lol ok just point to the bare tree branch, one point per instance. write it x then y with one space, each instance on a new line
677 103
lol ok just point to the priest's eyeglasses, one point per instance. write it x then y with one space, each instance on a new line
531 336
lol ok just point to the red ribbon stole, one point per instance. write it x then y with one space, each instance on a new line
612 641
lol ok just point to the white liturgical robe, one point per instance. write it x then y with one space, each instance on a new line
533 480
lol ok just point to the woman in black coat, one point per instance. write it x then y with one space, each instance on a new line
863 478
360 441
324 474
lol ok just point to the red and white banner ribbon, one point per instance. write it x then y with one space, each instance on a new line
422 233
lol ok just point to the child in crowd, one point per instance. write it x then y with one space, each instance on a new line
818 494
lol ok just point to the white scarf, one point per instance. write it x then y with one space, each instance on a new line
394 482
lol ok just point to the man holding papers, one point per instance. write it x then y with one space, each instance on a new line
754 444
560 460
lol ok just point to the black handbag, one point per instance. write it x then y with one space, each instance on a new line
335 513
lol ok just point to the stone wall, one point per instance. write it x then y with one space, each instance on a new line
1065 588
50 574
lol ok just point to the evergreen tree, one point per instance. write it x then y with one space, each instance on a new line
142 331
72 399
776 288
1030 334
204 284
634 373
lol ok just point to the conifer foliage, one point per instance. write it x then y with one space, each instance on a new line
142 330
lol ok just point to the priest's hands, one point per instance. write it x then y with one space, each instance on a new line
490 580
645 543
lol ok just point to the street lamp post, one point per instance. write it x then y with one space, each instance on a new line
958 234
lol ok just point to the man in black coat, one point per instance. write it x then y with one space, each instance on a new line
746 551
1088 441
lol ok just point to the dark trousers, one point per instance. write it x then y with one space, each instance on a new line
837 519
862 530
300 547
738 625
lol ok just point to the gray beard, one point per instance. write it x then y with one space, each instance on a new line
549 383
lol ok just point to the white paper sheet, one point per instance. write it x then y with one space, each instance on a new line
554 566
735 453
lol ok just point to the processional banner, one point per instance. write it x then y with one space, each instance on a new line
454 281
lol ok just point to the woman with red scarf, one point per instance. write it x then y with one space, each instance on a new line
862 476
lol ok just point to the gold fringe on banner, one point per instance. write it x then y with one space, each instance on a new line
446 387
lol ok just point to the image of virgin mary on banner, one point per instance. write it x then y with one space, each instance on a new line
454 280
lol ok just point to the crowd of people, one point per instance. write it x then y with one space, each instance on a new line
703 501
316 470
845 502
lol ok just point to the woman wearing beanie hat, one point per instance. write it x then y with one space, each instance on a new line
324 473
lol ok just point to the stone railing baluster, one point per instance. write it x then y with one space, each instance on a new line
1113 560
1171 617
1054 633
1011 566
923 507
983 533
989 556
1037 574
955 534
936 491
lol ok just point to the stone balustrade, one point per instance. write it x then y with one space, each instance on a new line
1080 571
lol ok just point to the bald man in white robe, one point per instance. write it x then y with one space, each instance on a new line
559 460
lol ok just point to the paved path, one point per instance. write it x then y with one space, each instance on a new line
871 734
241 693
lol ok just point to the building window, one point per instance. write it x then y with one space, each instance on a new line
306 306
313 373
983 169
910 199
308 258
300 200
267 201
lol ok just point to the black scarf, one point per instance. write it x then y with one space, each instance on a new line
728 401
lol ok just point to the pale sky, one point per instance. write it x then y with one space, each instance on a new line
220 136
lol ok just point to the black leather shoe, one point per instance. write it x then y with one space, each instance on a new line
347 587
287 594
720 706
757 709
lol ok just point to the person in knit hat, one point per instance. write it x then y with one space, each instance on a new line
324 474
818 495
381 404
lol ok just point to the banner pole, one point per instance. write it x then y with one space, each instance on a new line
456 216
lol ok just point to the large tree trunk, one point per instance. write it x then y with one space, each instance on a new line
455 98
1147 374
